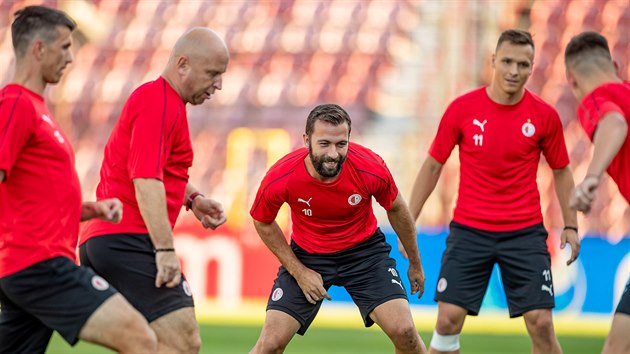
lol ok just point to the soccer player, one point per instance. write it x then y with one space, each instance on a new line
41 287
329 185
604 112
501 131
146 165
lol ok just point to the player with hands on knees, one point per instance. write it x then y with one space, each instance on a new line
329 185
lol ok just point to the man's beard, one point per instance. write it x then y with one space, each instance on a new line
318 163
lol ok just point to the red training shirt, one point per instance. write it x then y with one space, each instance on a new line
499 151
150 140
40 198
327 217
607 98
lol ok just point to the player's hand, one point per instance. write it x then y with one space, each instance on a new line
312 286
416 279
209 212
571 237
107 209
584 193
169 271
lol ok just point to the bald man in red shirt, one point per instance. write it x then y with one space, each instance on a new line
604 113
145 164
501 131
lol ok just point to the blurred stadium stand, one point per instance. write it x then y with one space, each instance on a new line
394 65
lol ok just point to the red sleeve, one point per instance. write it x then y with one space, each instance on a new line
384 188
609 107
269 199
147 147
17 123
593 110
448 135
553 145
386 196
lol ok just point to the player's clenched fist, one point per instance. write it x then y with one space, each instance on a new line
107 209
209 212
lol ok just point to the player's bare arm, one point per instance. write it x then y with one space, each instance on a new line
404 226
610 135
108 209
425 183
151 198
1 176
209 212
563 178
309 281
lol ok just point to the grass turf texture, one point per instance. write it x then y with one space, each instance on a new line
239 339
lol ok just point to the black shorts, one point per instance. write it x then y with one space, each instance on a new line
127 261
54 294
624 303
366 271
524 264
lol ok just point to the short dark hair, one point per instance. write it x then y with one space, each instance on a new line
515 36
587 43
330 113
37 21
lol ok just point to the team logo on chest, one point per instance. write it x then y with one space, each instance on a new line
528 129
354 199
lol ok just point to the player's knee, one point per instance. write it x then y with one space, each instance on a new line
616 345
271 344
540 322
406 338
448 325
147 340
194 343
445 343
545 326
190 342
137 337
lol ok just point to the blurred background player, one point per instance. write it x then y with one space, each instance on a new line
41 287
329 185
603 112
146 165
501 131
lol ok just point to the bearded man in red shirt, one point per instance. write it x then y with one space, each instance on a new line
329 185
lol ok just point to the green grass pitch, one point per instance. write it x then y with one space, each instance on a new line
239 339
